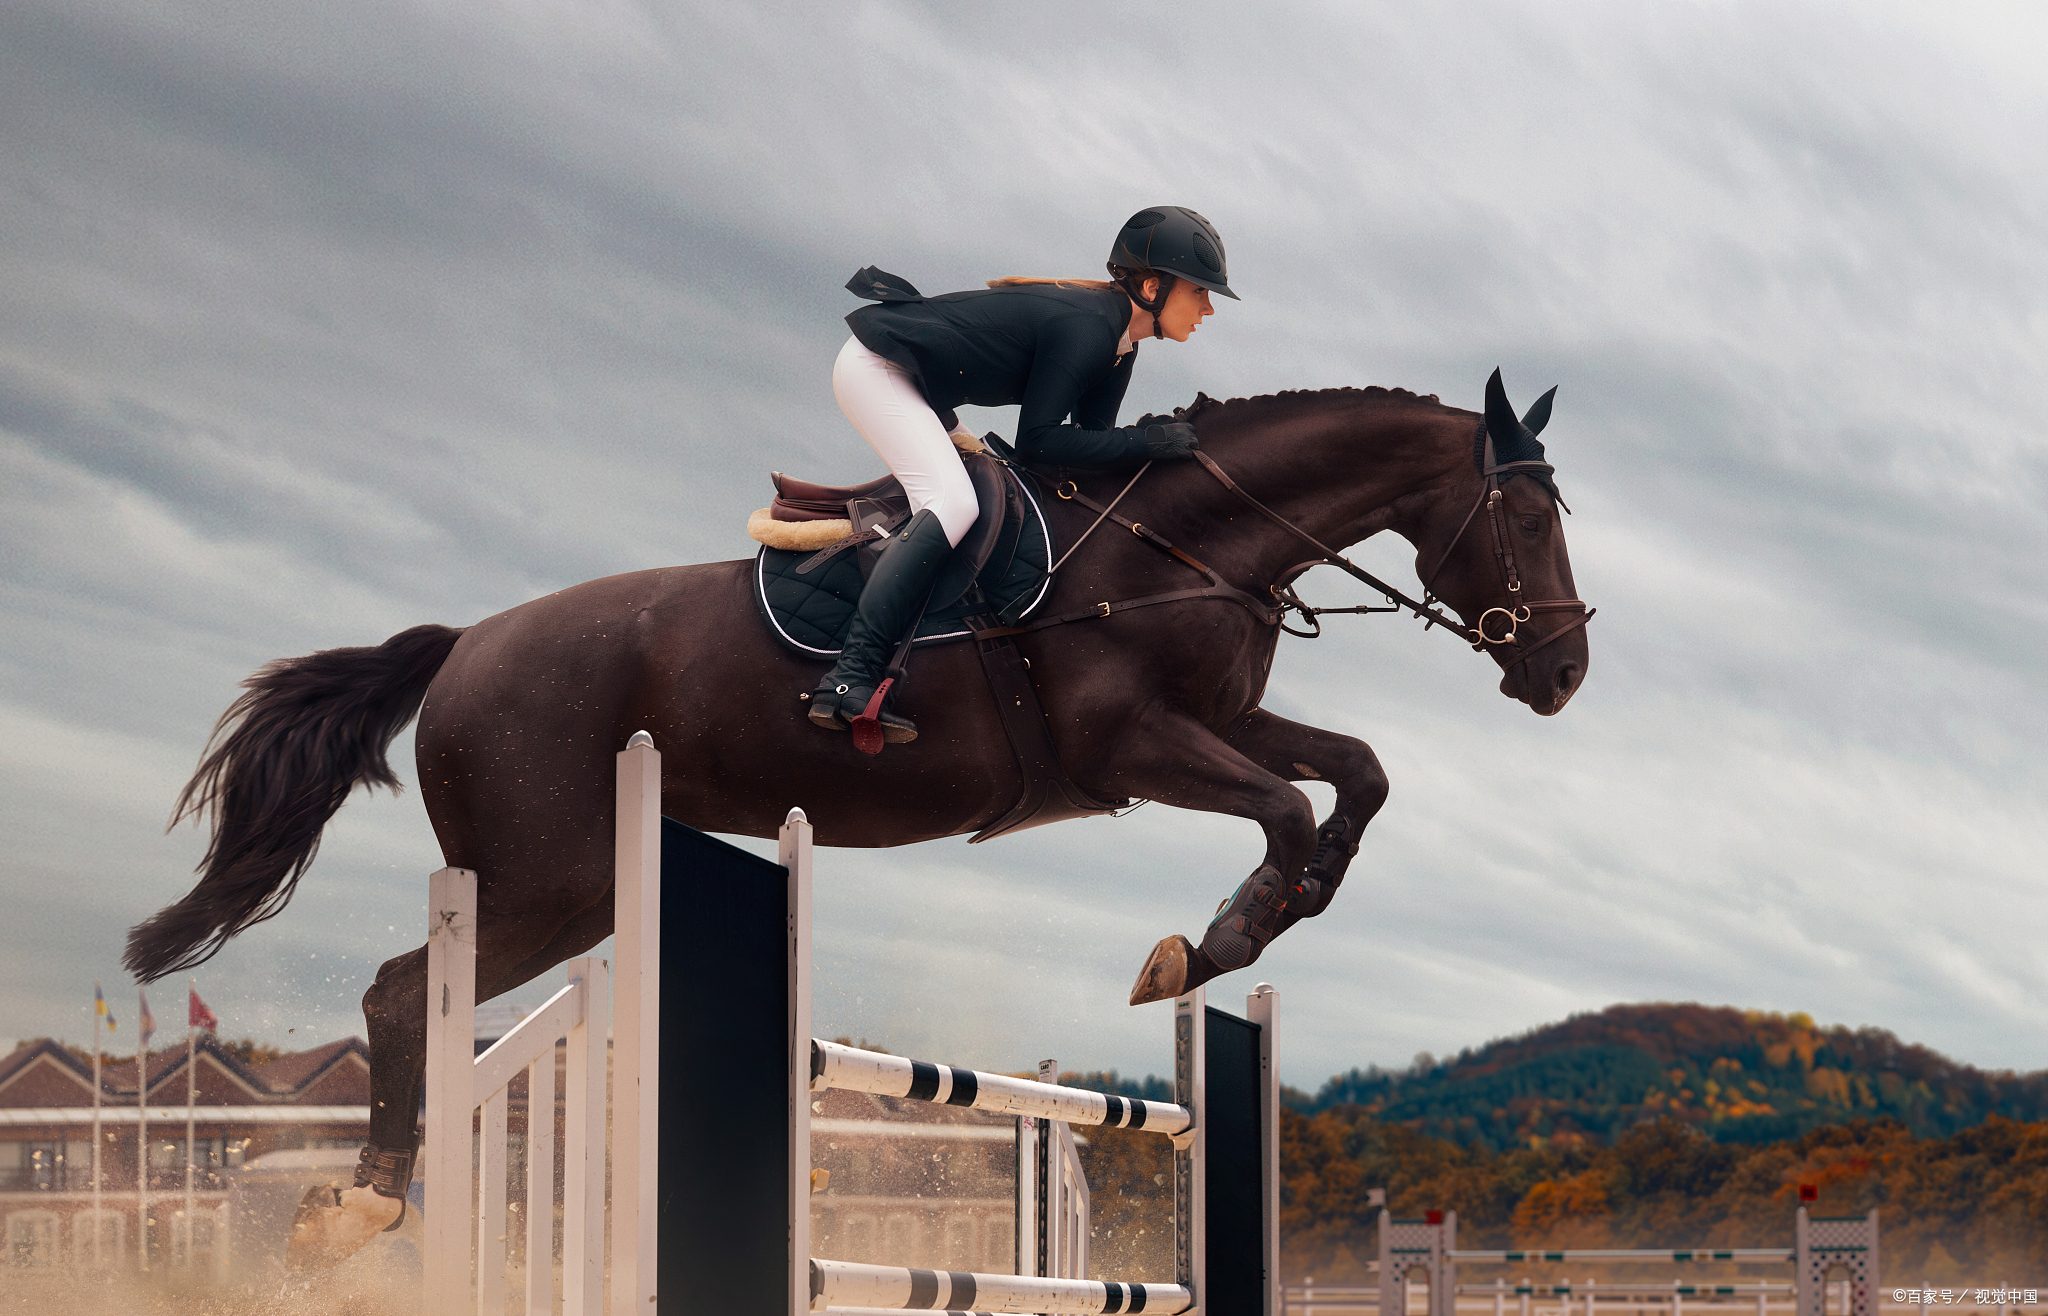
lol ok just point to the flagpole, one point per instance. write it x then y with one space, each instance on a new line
191 1100
98 1007
142 1129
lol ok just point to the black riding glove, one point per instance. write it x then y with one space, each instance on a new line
1172 441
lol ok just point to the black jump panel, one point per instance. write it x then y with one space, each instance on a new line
1237 1198
723 1229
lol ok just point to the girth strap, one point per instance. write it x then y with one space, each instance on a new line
1049 794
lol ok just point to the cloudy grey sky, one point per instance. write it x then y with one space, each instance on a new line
319 321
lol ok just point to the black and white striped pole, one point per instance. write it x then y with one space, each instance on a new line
849 1069
841 1286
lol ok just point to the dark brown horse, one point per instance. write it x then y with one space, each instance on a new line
524 711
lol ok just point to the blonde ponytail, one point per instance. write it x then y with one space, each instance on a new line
1024 281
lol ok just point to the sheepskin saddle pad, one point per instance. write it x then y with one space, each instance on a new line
819 543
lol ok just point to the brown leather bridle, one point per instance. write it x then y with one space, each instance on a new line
1519 610
1283 593
1490 498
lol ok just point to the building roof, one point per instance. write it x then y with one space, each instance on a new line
45 1073
112 1116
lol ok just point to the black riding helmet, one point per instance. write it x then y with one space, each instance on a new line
1173 240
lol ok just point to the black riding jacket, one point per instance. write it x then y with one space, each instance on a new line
1050 349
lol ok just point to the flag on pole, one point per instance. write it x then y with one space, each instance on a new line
198 1016
148 1022
99 1007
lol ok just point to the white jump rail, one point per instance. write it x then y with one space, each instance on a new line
848 1069
1630 1254
852 1284
466 1185
1822 1246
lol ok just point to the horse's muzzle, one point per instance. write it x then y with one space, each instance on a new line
1547 689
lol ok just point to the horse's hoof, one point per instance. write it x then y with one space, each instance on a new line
1165 974
333 1223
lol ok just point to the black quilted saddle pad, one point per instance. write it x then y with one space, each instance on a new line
811 613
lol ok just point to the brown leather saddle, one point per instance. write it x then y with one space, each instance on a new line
879 508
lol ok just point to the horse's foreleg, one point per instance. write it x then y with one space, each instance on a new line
1303 753
1172 758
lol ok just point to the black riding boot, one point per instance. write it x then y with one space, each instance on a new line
889 606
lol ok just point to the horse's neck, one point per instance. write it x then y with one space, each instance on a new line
1342 475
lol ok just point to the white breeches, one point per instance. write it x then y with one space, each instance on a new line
877 396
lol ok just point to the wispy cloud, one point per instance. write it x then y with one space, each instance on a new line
316 323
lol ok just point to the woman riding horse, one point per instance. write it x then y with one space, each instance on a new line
1054 347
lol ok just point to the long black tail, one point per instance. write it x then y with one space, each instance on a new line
282 760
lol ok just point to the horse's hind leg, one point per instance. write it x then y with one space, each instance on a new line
1303 753
512 948
332 1222
576 936
1174 759
395 1011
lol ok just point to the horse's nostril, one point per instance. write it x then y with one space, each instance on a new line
1567 678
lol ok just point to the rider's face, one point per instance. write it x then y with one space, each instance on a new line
1186 307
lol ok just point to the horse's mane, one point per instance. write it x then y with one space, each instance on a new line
1299 400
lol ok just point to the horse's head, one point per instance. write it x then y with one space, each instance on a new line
1499 558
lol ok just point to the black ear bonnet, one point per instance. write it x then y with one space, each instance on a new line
1513 440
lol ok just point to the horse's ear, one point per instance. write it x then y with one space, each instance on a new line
1539 415
1513 441
1500 417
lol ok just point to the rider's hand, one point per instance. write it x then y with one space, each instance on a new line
1173 441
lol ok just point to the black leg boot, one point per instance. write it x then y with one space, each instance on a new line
889 606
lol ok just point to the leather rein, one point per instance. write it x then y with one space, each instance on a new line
1285 599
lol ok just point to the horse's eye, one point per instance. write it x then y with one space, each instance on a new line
1531 524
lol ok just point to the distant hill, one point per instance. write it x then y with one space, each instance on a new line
1738 1076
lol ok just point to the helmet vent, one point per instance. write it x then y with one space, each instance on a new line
1145 219
1204 252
